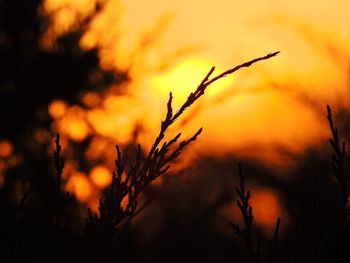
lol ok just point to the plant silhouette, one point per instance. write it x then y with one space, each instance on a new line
41 222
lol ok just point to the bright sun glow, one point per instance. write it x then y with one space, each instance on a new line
182 79
253 113
268 112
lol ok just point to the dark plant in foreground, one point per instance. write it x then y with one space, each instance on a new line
49 231
127 184
61 199
31 231
246 232
333 246
335 242
338 165
7 224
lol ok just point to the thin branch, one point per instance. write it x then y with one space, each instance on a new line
338 162
275 241
246 210
156 163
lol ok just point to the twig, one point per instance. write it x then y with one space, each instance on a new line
246 233
158 161
274 241
246 209
338 158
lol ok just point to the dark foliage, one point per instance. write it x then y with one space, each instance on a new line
101 227
50 225
246 233
43 222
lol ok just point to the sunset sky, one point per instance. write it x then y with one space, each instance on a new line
268 113
170 46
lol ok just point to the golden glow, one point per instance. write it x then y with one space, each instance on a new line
81 6
65 16
266 207
6 149
75 128
98 148
275 107
93 204
183 79
91 99
80 185
57 109
74 124
101 176
117 118
8 159
125 201
69 168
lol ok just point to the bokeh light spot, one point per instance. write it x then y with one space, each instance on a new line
266 207
6 149
101 176
57 109
80 186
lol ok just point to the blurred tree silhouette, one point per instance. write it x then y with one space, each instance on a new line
32 76
35 228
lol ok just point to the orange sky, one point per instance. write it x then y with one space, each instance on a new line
171 45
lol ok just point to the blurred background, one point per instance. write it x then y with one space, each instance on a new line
99 72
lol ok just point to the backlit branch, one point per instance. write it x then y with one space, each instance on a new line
127 185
